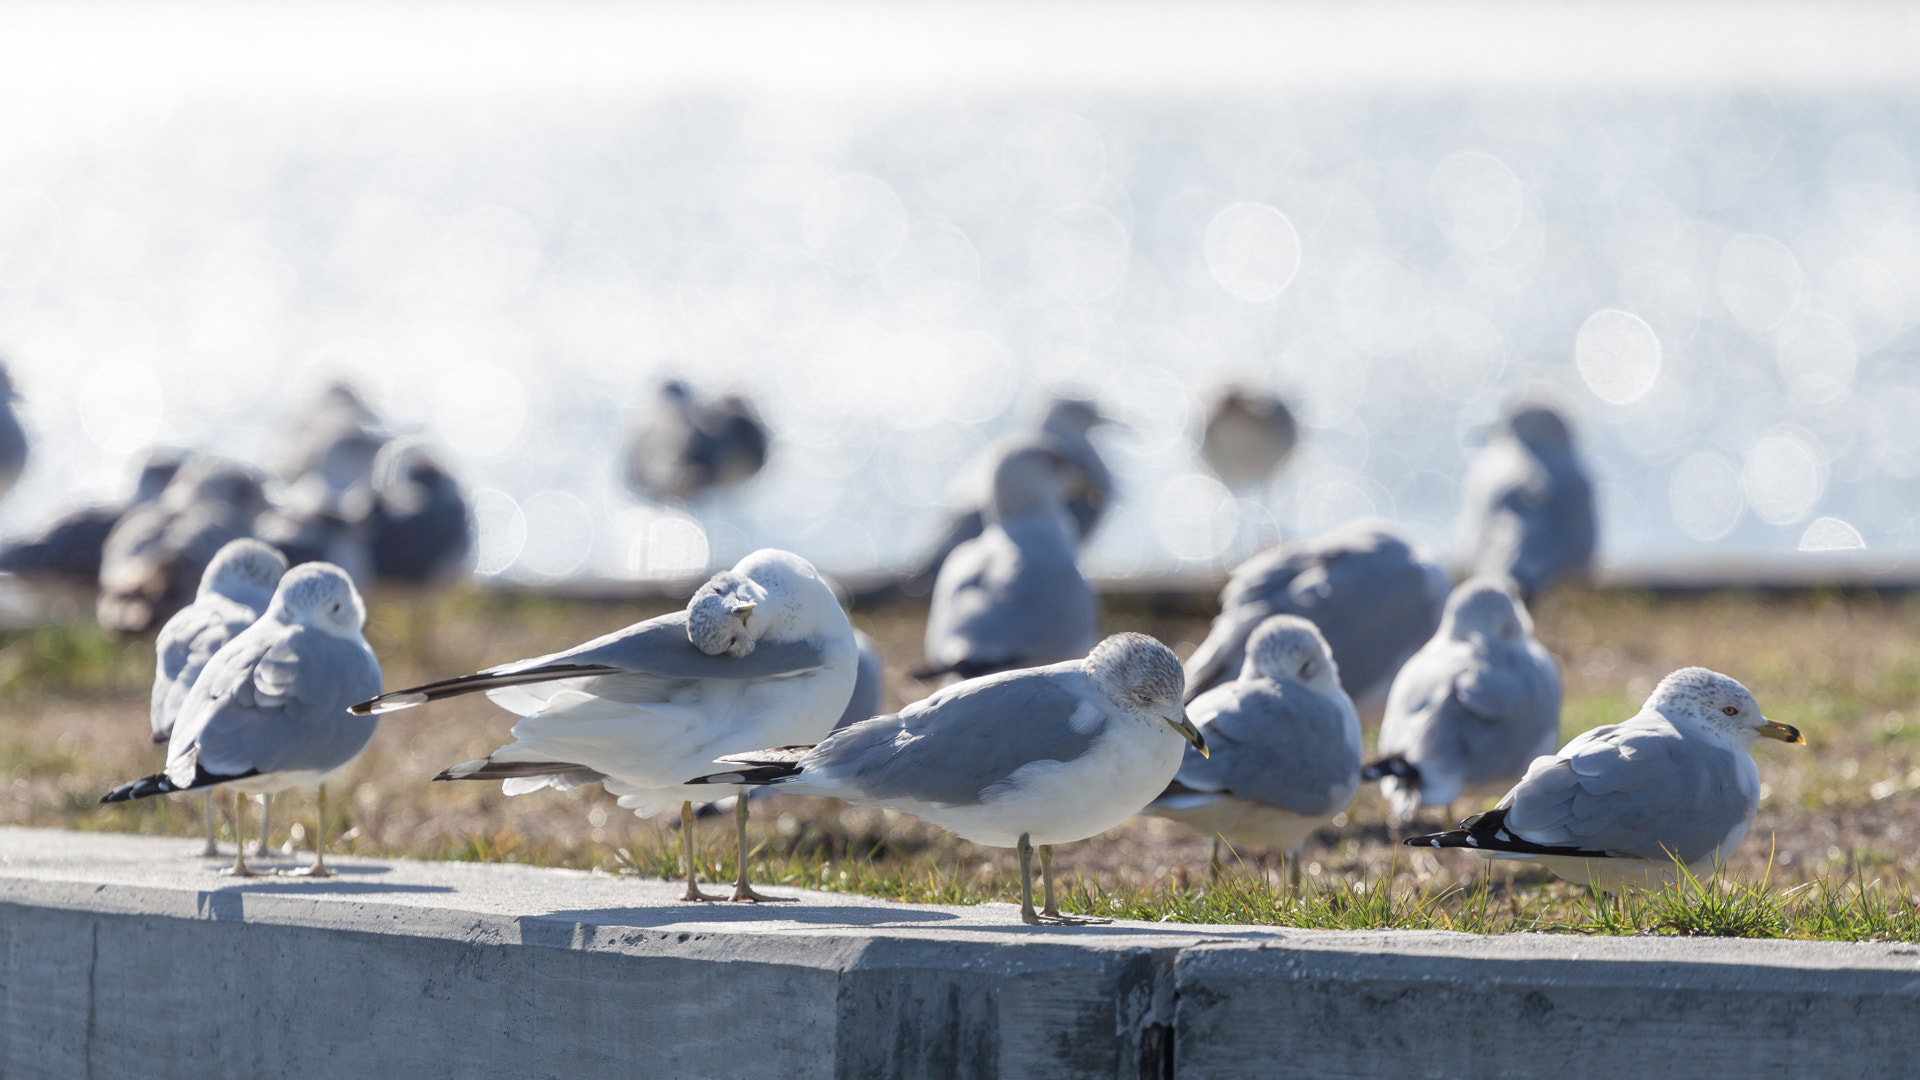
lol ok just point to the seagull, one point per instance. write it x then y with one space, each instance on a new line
69 549
1248 434
1623 803
13 438
269 710
682 446
1012 596
1064 431
1372 592
1044 755
234 592
1527 505
762 654
1472 708
869 682
1286 747
335 441
418 524
152 561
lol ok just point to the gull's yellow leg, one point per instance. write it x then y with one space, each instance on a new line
319 867
1025 850
1051 913
742 890
239 867
686 844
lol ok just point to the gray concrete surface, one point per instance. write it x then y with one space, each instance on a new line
121 957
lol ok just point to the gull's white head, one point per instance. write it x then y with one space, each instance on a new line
768 592
1027 480
1290 647
1488 607
1143 677
322 596
246 570
1717 704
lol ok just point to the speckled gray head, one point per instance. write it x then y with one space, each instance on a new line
322 596
1486 605
1143 676
1290 647
719 614
246 570
1717 703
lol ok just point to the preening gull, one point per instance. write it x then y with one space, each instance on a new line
682 446
1618 805
762 655
1472 708
1013 596
1248 434
269 711
1527 505
1372 592
1285 744
234 593
1045 755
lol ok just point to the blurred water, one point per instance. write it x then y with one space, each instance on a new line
1719 282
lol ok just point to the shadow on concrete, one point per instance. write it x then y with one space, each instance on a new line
646 918
323 886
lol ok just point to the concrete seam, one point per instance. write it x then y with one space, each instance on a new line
93 993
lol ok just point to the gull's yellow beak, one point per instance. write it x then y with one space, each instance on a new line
1191 734
1786 733
742 612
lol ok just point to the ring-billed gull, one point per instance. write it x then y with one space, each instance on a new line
1618 805
151 563
1472 708
1526 503
1066 430
1012 596
234 592
1373 593
1285 744
13 438
682 446
270 709
69 548
761 654
1042 756
418 528
1248 434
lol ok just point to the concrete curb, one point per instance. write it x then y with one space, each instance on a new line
120 957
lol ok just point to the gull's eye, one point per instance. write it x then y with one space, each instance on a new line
336 607
1143 699
1730 710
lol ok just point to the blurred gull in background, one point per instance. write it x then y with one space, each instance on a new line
869 684
681 446
1621 804
13 439
1374 594
420 528
234 592
1471 710
1248 434
152 561
69 549
1013 596
1283 742
1527 505
1039 756
269 710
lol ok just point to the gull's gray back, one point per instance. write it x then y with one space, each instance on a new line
1529 512
275 699
1276 743
948 749
1012 595
1480 715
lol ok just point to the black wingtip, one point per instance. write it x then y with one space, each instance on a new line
146 786
478 683
1392 765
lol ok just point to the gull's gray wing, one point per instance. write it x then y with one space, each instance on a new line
1273 742
869 680
640 663
274 699
1529 512
1014 597
951 747
1638 788
185 644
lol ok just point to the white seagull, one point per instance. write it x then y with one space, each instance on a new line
1472 708
1527 505
269 711
1621 804
762 654
234 592
1045 755
1285 743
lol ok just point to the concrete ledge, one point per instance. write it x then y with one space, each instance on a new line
120 957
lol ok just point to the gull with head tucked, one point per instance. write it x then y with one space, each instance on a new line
269 711
1285 744
1623 804
1039 756
1472 708
235 590
762 654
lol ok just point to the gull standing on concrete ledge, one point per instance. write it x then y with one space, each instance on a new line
1046 755
234 592
269 711
1013 596
1472 709
1285 745
1619 805
762 654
